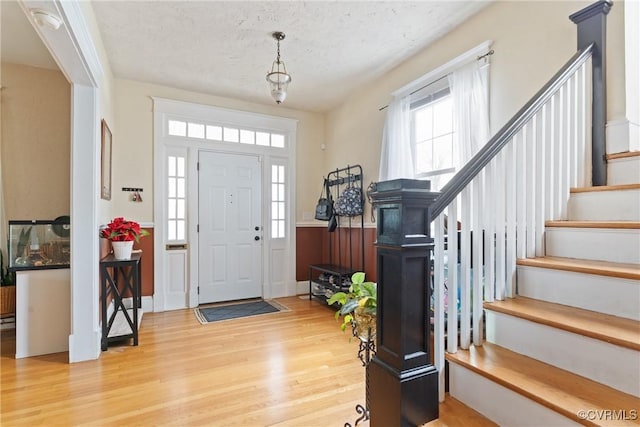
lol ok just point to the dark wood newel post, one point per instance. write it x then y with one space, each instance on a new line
592 28
403 383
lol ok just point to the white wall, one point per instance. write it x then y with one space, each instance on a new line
133 144
106 99
532 40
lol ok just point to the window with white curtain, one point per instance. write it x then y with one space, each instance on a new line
435 124
432 134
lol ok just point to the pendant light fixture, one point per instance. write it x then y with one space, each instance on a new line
278 78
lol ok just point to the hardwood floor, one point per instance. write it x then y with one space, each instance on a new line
291 368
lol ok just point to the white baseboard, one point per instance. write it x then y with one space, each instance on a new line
147 304
302 287
91 351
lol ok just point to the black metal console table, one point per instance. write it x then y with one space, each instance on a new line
118 277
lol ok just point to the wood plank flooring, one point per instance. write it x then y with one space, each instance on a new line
292 368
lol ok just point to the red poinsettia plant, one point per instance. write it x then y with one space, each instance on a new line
121 230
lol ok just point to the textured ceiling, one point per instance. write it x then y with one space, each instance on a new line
225 47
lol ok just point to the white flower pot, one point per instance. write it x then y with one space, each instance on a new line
122 250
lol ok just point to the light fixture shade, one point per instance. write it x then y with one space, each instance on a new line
278 83
46 19
278 78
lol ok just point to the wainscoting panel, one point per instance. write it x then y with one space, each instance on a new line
312 245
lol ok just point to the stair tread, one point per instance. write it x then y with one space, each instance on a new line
555 388
605 188
629 225
605 327
602 268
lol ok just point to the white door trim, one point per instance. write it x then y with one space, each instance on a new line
165 109
73 49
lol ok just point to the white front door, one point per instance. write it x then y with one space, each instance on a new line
230 224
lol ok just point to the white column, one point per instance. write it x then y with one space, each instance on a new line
84 341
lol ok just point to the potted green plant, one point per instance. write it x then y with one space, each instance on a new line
7 289
358 306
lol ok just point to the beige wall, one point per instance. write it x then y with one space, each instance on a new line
133 144
35 142
532 40
106 104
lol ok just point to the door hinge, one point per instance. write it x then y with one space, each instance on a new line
198 228
198 290
198 166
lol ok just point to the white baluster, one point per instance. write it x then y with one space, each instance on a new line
511 212
540 130
438 299
478 245
465 273
573 125
521 182
530 136
550 172
561 209
565 167
452 277
583 160
489 216
500 225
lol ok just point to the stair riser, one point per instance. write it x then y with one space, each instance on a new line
623 171
620 205
609 295
609 364
598 244
500 404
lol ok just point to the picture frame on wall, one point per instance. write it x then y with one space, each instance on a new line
105 175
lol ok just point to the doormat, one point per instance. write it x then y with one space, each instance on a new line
219 312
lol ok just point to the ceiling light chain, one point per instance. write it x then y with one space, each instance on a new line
278 78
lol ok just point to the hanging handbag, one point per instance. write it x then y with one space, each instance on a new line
324 207
349 203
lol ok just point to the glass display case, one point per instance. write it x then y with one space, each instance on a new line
36 244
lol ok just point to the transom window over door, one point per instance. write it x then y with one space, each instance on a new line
183 132
221 133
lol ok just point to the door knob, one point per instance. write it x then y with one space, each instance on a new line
257 228
256 238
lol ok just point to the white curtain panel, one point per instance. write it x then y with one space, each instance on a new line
396 157
469 91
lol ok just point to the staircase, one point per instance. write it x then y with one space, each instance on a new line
566 349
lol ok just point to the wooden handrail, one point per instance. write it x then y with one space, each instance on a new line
469 171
